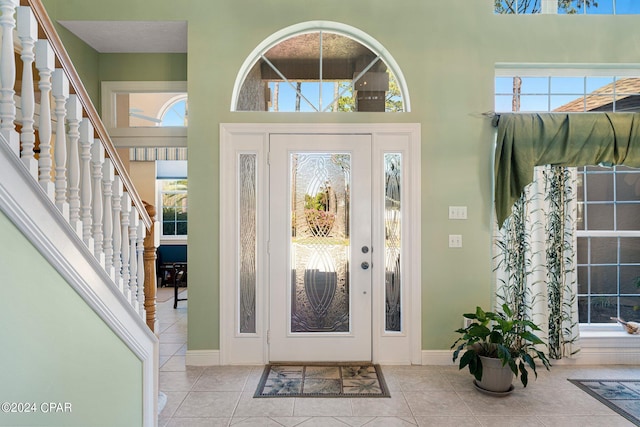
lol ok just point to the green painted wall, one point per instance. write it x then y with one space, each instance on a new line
85 60
447 51
143 67
54 348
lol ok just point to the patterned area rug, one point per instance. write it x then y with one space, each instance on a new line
623 396
322 380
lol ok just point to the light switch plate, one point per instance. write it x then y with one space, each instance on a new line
457 212
455 240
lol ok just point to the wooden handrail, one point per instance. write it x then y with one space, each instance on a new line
74 79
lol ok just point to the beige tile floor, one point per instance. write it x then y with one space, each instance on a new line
420 395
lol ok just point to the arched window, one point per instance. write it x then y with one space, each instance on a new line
320 66
175 112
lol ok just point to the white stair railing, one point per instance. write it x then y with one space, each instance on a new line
85 140
45 63
74 116
60 91
8 74
97 159
133 261
107 218
140 258
28 34
117 233
81 174
129 291
64 186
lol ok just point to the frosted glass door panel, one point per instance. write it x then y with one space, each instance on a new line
320 219
320 242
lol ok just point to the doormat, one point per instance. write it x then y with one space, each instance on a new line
623 396
322 380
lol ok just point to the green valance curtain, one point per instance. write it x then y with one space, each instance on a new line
526 140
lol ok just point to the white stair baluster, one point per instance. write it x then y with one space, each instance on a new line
126 209
86 139
60 93
74 116
97 159
117 232
133 260
45 63
8 75
28 34
107 217
142 231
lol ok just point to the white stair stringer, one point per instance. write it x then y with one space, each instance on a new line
29 208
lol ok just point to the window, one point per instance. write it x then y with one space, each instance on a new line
536 93
135 110
153 109
600 7
608 243
173 197
171 184
568 7
320 67
608 230
519 7
176 113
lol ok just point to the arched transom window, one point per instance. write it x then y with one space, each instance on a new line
320 67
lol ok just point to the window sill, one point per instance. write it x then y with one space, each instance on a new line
173 241
603 330
607 336
606 344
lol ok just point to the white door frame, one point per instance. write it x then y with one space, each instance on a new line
253 138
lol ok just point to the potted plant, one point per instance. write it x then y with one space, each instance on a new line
498 346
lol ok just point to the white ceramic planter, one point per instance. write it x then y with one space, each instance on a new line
495 377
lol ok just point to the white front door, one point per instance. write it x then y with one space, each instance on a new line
292 286
320 236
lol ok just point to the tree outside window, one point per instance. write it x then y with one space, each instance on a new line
520 7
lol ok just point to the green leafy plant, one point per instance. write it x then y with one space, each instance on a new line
501 336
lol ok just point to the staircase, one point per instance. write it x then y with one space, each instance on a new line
63 186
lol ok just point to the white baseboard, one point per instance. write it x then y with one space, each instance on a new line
600 358
437 357
202 358
588 355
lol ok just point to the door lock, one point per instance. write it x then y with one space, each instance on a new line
364 265
365 249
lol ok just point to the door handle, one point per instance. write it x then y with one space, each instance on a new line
364 265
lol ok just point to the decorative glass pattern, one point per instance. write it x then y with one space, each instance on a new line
320 185
248 242
392 241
